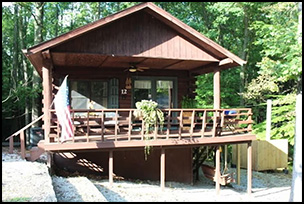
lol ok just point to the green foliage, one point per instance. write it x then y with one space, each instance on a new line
280 68
19 199
229 89
282 119
188 102
152 116
278 35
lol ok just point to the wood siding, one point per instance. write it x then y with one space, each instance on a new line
138 34
82 73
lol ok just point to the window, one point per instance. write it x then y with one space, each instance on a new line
89 94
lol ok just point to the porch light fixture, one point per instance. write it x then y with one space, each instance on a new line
132 69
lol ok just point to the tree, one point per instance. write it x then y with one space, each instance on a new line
36 102
280 68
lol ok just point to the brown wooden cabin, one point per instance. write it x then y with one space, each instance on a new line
142 52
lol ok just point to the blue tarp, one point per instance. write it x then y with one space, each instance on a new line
228 112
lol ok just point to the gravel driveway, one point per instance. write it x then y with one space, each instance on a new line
29 181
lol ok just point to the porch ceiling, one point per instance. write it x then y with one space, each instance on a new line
103 61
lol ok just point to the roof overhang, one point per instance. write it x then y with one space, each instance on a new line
225 59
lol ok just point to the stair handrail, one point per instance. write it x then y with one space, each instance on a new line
21 135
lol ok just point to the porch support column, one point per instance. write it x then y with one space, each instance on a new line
238 163
111 167
216 88
47 93
217 170
249 167
162 169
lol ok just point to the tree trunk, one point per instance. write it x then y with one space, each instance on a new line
36 102
244 56
296 187
99 10
72 17
57 19
15 49
25 71
299 88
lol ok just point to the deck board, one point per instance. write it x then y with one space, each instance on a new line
112 144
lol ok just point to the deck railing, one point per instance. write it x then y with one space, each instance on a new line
22 137
122 125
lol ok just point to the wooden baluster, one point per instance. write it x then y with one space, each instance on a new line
249 128
58 131
222 118
22 145
180 124
204 123
102 125
192 123
74 127
169 124
214 123
142 129
116 125
155 130
88 126
130 125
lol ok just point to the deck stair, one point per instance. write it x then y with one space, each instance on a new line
35 152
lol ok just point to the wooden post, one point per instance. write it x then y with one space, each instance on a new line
238 163
249 167
217 105
225 158
47 93
268 120
22 144
130 125
168 124
217 170
50 162
11 145
216 89
162 169
111 167
102 125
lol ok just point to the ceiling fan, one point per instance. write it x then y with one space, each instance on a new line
134 68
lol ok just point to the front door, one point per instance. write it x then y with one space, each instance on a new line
159 89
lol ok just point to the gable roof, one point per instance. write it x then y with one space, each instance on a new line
225 57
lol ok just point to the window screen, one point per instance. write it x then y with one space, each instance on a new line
89 94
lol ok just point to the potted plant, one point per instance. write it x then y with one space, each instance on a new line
151 116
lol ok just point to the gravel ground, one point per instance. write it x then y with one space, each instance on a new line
25 181
37 185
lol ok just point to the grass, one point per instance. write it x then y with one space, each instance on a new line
19 199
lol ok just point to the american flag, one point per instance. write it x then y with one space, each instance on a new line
62 108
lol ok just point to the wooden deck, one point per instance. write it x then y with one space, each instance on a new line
118 128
